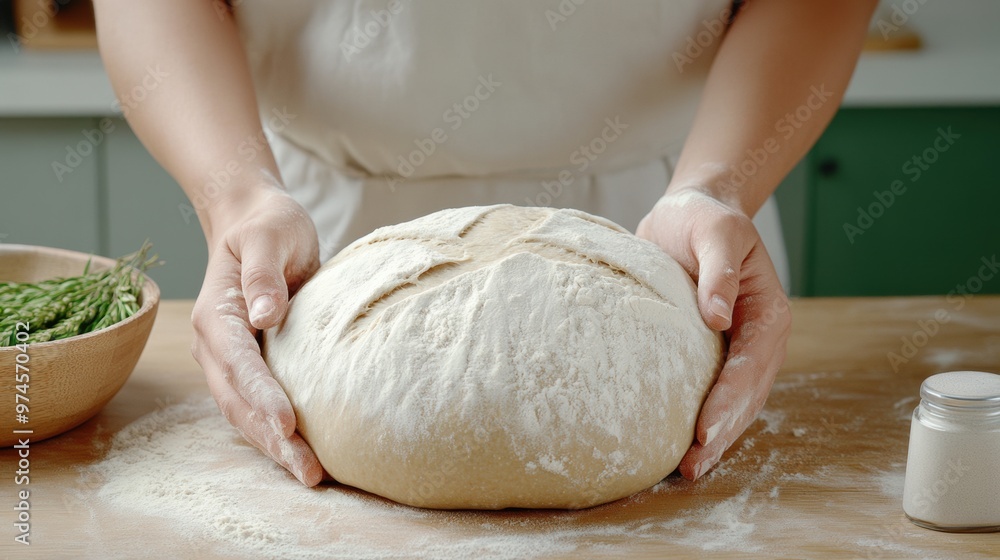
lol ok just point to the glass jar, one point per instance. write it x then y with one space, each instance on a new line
953 465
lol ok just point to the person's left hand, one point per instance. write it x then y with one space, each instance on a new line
739 293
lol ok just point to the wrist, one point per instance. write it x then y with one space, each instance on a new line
221 207
722 182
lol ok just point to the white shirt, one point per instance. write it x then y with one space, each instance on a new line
396 108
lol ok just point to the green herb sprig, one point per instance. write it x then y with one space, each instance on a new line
64 307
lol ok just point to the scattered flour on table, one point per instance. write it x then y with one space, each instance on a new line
986 351
186 466
722 526
793 381
903 408
772 420
891 482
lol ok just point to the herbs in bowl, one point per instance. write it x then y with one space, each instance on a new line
60 308
79 323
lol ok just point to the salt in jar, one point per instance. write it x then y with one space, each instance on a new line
953 465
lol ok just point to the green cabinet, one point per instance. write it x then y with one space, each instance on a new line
88 184
49 192
897 201
890 201
143 202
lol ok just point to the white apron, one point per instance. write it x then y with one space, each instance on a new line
380 111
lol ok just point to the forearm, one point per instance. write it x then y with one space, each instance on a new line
778 56
202 109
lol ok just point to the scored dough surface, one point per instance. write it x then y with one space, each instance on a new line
494 357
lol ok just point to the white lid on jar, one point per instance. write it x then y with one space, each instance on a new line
962 389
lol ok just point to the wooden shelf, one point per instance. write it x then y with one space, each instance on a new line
63 24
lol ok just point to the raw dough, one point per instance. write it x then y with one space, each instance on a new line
494 357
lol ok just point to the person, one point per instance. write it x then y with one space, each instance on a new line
296 127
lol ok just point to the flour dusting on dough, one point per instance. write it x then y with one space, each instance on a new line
497 357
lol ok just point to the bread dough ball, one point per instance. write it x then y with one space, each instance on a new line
496 357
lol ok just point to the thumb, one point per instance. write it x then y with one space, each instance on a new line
719 283
264 283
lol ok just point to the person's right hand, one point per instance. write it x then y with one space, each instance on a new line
738 293
259 254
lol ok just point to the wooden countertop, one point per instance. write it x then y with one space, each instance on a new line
819 474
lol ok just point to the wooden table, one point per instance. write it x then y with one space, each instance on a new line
819 474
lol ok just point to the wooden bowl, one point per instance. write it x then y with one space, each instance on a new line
70 380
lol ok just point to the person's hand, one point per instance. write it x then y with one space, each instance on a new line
260 253
739 293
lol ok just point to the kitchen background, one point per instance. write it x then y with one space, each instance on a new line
898 197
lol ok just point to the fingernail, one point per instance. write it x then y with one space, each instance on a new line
284 429
719 307
275 425
297 471
261 307
286 455
701 468
711 433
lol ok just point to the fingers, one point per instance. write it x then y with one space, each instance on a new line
247 394
292 453
723 419
762 323
721 251
738 292
227 349
246 289
710 240
718 285
238 360
263 260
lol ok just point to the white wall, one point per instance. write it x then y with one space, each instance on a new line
950 24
